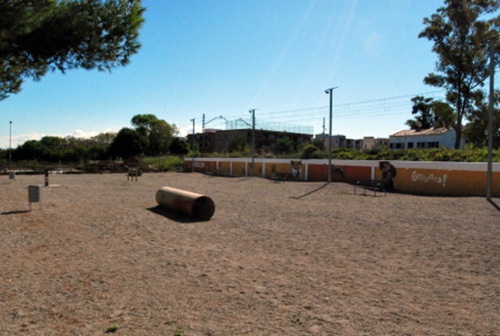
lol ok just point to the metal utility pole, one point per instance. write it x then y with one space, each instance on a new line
330 92
324 128
10 145
192 148
253 141
490 121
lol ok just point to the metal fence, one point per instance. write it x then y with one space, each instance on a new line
269 126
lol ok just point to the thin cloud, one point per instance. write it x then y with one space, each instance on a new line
372 45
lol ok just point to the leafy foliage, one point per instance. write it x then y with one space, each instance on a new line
430 113
156 132
284 146
476 131
383 154
165 163
237 144
461 40
41 35
436 154
179 146
312 152
69 149
128 143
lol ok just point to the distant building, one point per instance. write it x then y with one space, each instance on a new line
372 142
337 140
219 140
425 139
340 141
205 140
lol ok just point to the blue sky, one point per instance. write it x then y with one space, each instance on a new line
223 58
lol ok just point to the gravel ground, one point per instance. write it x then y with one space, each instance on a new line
97 256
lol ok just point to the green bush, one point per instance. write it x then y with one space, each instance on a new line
165 163
312 152
377 154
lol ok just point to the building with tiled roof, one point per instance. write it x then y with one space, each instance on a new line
425 139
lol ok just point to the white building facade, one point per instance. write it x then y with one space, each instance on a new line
424 139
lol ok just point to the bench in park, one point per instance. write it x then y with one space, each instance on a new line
371 185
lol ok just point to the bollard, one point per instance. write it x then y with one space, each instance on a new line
189 203
34 194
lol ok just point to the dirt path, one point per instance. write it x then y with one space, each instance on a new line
97 254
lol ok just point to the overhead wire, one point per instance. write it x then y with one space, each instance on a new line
366 108
396 105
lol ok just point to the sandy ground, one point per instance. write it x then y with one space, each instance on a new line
97 256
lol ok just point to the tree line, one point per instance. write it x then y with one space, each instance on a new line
148 136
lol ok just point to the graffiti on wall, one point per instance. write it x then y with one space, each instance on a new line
388 173
199 165
432 178
296 169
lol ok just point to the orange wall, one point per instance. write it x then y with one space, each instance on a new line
274 169
340 173
444 182
444 179
224 168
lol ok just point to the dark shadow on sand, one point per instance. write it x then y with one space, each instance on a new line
310 192
494 204
15 212
174 216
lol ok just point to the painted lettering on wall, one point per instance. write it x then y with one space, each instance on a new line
432 178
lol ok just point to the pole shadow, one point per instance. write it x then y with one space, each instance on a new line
496 206
14 212
310 192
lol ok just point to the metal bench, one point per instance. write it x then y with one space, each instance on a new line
372 185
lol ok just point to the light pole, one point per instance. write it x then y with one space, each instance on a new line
10 144
330 92
192 148
491 105
253 141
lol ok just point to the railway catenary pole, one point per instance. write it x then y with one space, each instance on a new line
330 92
253 141
490 122
192 147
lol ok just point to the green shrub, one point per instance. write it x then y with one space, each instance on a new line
165 163
312 152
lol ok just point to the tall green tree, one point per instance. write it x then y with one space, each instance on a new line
41 35
430 113
158 132
476 131
143 123
160 138
461 31
422 108
105 138
128 143
179 146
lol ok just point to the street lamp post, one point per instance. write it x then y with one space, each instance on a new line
192 148
491 105
10 144
330 92
253 141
